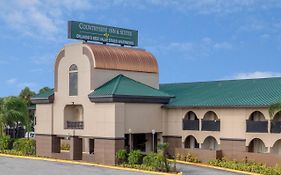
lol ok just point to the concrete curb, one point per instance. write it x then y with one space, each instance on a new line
214 167
87 164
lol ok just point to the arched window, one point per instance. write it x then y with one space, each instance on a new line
191 142
257 116
210 143
190 116
257 146
73 80
276 149
277 117
210 115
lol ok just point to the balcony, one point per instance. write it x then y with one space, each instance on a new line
256 126
275 127
190 124
74 125
210 125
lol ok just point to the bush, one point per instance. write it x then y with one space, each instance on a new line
247 166
150 159
121 156
134 157
187 157
4 142
26 146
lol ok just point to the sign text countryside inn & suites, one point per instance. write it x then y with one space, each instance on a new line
102 33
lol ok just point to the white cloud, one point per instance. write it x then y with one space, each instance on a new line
189 50
11 81
257 74
43 59
39 19
205 7
223 45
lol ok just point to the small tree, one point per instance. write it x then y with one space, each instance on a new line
162 150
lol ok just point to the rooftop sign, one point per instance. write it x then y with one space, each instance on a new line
102 33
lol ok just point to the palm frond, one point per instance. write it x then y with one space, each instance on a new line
274 108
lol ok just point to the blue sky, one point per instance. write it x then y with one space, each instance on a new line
193 40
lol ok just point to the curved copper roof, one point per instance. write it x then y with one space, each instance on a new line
122 58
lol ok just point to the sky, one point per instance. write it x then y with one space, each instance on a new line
193 40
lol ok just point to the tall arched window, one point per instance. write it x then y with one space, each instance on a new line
73 80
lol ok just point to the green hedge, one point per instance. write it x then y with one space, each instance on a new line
247 166
187 157
134 157
26 146
4 142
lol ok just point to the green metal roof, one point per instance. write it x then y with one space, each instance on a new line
229 93
46 97
124 86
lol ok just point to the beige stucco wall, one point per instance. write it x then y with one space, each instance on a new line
100 119
233 124
44 114
143 118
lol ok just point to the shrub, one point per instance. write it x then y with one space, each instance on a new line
26 146
150 160
247 166
187 157
134 157
121 156
4 142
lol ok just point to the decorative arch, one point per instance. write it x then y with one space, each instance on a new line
190 115
191 142
86 51
73 114
276 148
257 116
256 145
210 115
210 143
277 117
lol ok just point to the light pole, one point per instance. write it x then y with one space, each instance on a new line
153 144
130 138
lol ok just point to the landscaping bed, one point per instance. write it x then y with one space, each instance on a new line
251 167
156 162
21 147
245 166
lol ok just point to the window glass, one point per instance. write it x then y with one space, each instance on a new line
73 80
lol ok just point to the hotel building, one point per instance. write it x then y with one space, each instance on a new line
106 98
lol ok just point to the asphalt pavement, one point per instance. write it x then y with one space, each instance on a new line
18 166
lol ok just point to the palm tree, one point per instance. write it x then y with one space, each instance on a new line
276 107
14 113
26 94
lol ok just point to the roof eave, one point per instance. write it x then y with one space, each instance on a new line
43 100
129 99
214 106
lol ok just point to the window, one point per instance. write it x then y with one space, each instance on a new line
73 80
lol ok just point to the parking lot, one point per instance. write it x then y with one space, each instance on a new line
18 166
